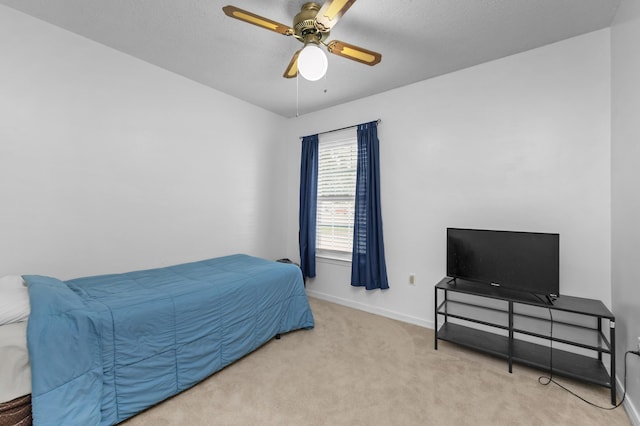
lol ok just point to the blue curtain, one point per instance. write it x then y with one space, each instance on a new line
368 267
308 203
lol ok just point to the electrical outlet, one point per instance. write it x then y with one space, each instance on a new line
412 279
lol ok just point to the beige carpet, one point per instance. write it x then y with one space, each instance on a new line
356 368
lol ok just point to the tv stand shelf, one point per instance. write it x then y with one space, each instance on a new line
517 326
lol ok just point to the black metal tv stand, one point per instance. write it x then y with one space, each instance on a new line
517 326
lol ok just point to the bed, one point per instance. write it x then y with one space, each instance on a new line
104 348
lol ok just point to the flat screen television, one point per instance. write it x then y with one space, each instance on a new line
522 261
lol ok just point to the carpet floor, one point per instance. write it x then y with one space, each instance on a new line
357 368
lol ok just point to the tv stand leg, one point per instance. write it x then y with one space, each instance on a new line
612 342
510 337
435 319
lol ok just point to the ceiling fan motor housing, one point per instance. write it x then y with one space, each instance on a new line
304 24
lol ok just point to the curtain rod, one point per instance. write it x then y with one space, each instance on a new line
342 128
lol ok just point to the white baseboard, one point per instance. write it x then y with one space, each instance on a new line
629 407
371 309
632 412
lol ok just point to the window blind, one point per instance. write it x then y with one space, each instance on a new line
337 162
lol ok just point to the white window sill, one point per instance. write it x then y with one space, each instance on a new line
334 257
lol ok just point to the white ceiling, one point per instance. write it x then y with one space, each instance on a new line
418 39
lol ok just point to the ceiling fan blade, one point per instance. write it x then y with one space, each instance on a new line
292 68
331 12
353 52
254 19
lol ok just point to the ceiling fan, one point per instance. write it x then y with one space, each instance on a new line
311 26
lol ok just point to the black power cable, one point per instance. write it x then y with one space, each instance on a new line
550 379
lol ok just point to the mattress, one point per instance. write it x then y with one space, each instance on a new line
15 374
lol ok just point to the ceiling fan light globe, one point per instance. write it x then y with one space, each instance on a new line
312 63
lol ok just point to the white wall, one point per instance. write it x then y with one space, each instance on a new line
625 33
520 143
110 164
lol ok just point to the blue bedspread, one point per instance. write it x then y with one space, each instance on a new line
104 348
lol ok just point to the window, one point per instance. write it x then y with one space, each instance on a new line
337 163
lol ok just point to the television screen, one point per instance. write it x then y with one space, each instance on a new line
526 261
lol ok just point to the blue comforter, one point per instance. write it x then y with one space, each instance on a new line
104 348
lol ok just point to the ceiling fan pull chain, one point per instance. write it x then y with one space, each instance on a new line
297 95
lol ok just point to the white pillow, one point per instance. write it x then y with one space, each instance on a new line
14 300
